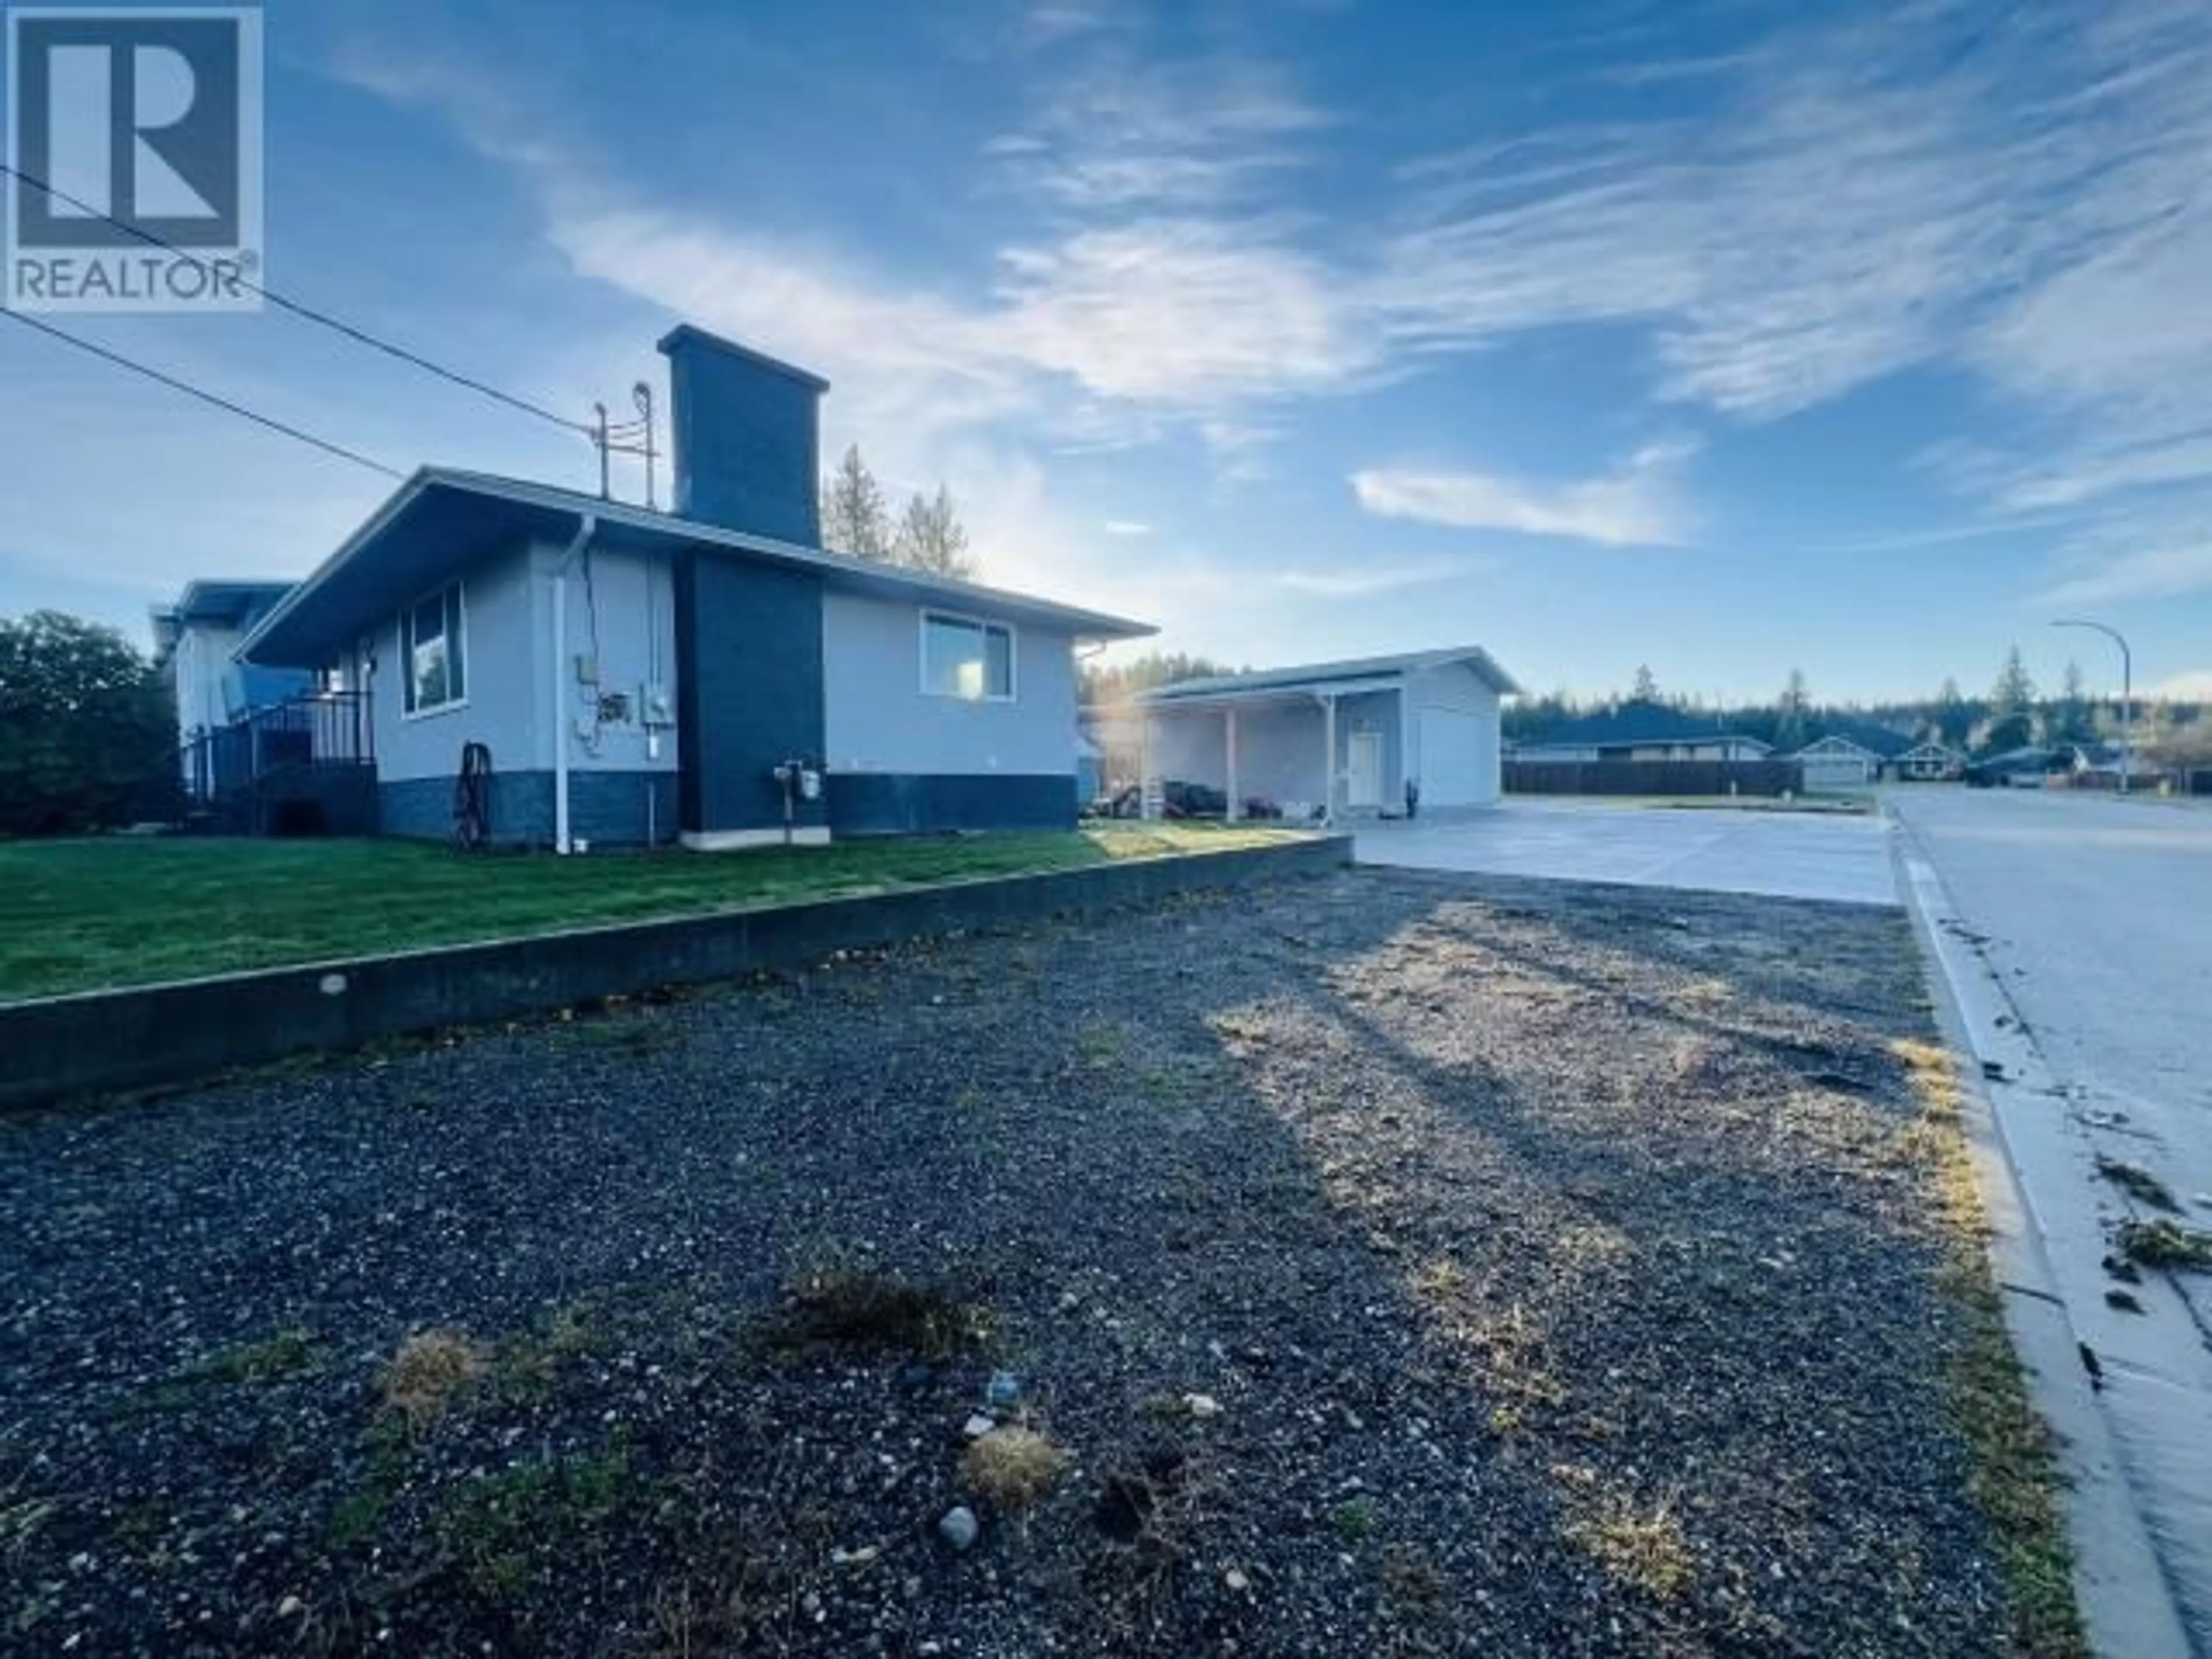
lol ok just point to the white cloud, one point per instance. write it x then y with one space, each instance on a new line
1126 527
1636 504
1354 581
2154 573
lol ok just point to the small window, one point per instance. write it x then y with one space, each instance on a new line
961 658
433 651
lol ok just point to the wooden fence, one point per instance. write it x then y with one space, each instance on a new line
1652 777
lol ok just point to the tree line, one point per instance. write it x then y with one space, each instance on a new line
88 729
2014 714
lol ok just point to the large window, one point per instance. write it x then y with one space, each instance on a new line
963 658
434 652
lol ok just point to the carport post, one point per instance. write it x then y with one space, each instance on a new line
1235 799
1328 758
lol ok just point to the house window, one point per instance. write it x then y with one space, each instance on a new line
963 658
434 652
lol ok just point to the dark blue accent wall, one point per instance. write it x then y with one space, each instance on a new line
607 809
748 438
749 689
893 804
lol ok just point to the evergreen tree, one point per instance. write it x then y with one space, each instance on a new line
853 516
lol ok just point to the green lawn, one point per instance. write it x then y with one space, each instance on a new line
82 915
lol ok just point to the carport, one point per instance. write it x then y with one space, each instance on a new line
1359 738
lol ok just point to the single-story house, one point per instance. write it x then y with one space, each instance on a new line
1929 762
1329 739
1854 756
1640 730
611 674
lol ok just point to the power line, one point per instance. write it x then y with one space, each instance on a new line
223 404
308 312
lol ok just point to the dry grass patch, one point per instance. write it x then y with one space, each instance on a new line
429 1369
1012 1468
2013 1477
1647 1552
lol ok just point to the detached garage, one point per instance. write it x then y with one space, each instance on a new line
1331 740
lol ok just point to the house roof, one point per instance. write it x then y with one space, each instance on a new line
442 520
1836 744
1636 721
220 602
1931 750
1874 739
1344 679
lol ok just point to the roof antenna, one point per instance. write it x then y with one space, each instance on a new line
628 437
642 393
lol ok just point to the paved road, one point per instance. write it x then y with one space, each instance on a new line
1786 855
2079 930
2099 913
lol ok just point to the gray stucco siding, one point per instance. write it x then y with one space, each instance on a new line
621 610
500 630
878 720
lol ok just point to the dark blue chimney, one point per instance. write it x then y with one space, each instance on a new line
748 438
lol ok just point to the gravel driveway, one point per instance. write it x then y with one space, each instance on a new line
1404 1263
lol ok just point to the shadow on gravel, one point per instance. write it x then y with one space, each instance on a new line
1403 1265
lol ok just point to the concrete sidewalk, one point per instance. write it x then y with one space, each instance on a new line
1810 856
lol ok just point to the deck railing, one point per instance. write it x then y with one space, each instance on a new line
318 728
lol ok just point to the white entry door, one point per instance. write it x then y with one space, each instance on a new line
1362 783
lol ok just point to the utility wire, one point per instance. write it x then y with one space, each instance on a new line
308 312
224 404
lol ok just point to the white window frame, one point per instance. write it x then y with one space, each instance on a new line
984 625
457 625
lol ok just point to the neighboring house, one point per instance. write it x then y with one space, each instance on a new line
1853 756
237 722
1327 739
1638 730
632 676
1929 762
194 639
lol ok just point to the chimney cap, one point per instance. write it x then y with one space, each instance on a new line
685 337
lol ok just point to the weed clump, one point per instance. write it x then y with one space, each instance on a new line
1012 1468
427 1370
2163 1243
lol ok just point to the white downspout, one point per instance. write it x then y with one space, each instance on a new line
587 527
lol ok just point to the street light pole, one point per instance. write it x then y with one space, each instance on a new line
2127 689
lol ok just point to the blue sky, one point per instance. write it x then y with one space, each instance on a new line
1723 337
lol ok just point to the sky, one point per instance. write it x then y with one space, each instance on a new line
1726 339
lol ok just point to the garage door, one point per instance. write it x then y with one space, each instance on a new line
1835 772
1453 760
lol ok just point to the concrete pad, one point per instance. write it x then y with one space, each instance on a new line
1783 854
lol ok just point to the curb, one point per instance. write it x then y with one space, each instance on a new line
2129 1603
61 1049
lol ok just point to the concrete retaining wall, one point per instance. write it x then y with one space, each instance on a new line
59 1047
